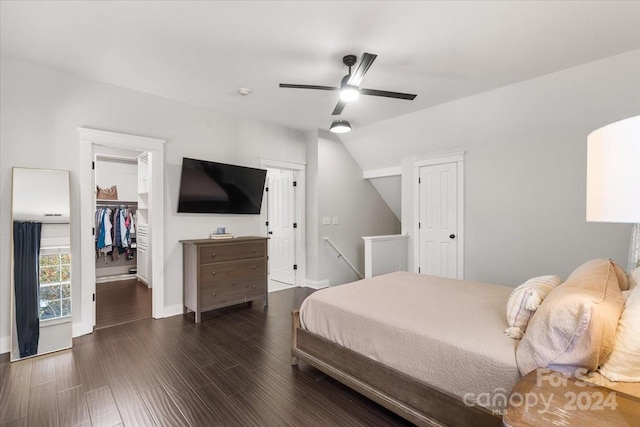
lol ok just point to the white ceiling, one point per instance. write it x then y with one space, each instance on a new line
201 52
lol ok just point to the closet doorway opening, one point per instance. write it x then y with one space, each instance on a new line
91 141
123 291
283 217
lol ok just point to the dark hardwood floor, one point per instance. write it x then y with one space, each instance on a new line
232 369
122 301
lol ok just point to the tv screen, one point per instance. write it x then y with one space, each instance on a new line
210 187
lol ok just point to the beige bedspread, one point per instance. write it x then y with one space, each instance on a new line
447 333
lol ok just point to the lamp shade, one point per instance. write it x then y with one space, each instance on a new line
340 126
613 172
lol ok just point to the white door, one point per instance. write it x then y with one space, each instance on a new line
438 220
281 209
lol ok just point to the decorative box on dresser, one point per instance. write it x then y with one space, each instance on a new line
222 272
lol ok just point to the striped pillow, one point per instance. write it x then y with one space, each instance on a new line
524 300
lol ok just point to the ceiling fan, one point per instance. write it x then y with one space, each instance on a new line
350 84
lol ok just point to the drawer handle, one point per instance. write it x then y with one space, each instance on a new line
253 250
214 273
214 294
253 267
254 286
213 255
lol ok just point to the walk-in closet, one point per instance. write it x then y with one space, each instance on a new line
122 249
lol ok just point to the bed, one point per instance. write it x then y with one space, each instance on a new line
426 363
436 351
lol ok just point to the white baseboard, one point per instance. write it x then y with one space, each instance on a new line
78 329
275 286
115 278
317 284
172 310
5 344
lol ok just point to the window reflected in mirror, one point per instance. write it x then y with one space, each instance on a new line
41 262
55 282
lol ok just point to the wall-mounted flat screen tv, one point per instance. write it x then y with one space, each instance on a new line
210 187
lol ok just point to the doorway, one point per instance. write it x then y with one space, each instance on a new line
90 140
440 216
122 294
284 223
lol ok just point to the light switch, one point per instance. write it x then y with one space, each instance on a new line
326 220
335 220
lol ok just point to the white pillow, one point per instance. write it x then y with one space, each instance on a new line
634 278
624 362
524 300
575 326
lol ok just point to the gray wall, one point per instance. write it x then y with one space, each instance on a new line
41 109
525 166
343 193
313 220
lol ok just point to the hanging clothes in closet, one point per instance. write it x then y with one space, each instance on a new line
115 231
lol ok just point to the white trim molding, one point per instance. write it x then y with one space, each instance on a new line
317 284
301 203
120 140
437 159
282 164
89 139
381 173
5 344
173 310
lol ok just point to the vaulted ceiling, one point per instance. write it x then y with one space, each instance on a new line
201 52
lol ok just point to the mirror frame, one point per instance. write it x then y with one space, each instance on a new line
54 219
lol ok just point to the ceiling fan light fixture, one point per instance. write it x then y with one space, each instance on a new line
340 126
349 93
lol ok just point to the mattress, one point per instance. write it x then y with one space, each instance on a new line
446 333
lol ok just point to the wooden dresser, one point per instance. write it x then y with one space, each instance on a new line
222 272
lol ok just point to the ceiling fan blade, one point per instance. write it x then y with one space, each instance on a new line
386 94
363 66
308 87
339 107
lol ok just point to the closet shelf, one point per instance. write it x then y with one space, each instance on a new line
101 202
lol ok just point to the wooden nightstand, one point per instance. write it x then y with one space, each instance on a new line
544 397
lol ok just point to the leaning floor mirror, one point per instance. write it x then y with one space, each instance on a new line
41 262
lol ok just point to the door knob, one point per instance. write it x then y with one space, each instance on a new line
452 236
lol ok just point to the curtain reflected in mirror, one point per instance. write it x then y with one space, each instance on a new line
26 255
41 291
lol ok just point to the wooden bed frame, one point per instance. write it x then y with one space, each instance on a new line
411 399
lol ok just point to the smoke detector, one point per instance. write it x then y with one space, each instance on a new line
244 91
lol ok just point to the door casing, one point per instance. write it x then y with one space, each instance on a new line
300 169
454 157
88 139
281 216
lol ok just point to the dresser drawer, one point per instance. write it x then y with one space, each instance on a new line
232 251
230 291
211 273
220 273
